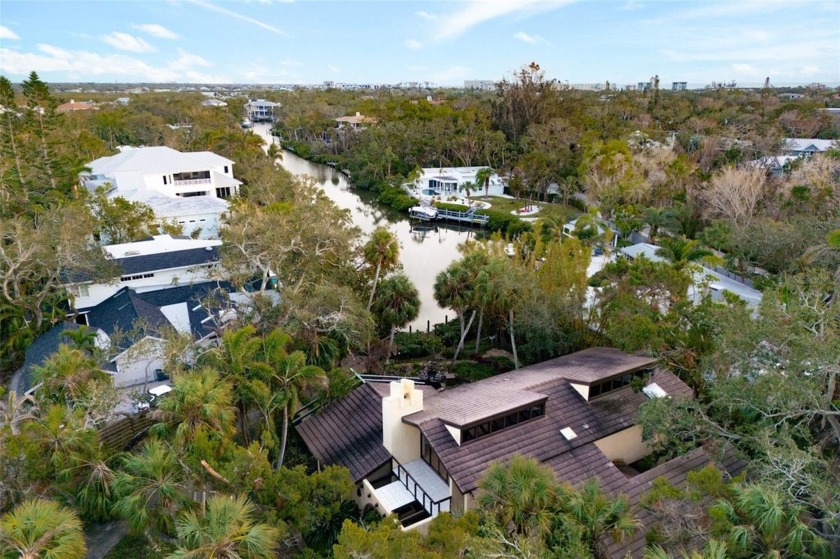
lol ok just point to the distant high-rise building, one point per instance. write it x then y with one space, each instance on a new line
679 86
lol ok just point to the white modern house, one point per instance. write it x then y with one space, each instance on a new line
159 262
260 110
187 189
441 181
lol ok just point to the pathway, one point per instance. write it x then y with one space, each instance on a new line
101 538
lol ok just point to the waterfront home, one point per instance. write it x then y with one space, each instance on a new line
186 189
806 146
443 181
260 110
159 262
355 122
416 452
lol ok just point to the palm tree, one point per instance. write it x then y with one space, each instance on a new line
383 252
40 529
826 251
761 522
519 495
454 289
657 218
69 375
500 288
397 305
597 516
290 375
682 251
236 359
227 530
482 178
15 410
200 402
150 488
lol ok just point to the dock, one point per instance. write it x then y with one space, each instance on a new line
469 216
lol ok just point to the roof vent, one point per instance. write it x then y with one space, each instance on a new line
568 433
208 249
132 252
653 390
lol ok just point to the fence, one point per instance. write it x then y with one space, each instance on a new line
124 433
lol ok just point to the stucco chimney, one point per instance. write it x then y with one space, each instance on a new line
401 440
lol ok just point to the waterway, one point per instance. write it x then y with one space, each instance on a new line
425 249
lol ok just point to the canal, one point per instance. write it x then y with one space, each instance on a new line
425 249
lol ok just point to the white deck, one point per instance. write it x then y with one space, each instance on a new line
393 496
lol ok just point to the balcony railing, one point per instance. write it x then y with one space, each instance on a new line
188 182
432 507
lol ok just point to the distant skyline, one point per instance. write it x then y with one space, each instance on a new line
309 42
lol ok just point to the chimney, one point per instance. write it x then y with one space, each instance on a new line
401 440
358 114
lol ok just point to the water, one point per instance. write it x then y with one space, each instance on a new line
425 249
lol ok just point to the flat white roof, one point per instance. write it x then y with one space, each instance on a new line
158 244
156 159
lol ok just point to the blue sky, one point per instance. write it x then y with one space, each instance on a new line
391 41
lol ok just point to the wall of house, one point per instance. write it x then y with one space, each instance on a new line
400 439
98 292
457 505
625 446
207 222
137 365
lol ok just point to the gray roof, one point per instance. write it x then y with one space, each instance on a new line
159 261
41 349
348 432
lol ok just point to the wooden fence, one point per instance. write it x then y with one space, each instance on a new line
123 434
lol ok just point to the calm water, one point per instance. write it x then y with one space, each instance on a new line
425 249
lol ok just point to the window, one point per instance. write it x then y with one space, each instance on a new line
226 169
223 192
191 194
136 277
431 458
80 290
503 422
164 179
616 383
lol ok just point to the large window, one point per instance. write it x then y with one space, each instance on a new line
191 176
191 194
502 422
223 192
615 383
431 458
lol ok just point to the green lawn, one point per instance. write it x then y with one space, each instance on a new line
557 212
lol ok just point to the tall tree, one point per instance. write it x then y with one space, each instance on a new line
398 304
40 105
382 252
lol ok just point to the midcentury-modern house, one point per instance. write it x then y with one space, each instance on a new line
355 122
260 110
806 146
441 181
706 280
159 262
128 325
415 452
187 189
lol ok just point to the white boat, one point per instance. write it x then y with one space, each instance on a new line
423 213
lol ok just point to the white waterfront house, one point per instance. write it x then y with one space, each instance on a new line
806 146
260 110
187 189
441 181
159 262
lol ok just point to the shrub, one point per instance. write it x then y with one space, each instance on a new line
417 344
473 371
396 198
451 207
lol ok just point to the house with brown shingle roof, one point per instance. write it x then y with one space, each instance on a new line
74 106
416 452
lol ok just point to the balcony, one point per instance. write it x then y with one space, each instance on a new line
414 492
190 182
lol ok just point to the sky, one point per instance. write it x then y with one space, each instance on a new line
444 42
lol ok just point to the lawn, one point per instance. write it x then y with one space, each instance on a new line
556 212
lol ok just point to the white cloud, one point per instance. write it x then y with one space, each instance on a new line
809 70
231 13
413 44
745 70
530 39
124 41
158 31
426 15
632 5
6 33
334 69
187 60
476 12
82 64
